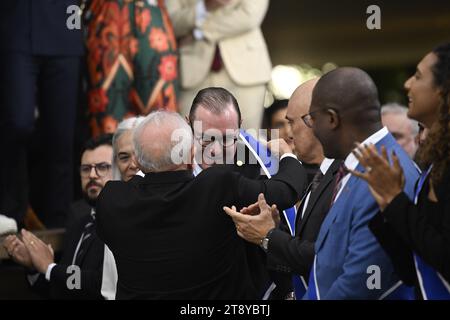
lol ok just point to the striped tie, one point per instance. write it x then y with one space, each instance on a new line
342 172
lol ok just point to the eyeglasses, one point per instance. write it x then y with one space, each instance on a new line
308 119
226 141
101 169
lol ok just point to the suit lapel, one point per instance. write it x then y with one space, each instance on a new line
327 179
298 212
337 207
86 245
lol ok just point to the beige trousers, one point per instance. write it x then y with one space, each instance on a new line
250 98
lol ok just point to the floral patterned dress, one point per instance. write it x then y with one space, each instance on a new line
132 61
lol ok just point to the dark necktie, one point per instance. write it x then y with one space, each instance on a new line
316 180
342 172
87 233
318 176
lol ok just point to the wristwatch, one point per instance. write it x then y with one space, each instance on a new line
265 241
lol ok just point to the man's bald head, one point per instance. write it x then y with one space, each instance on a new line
344 109
301 98
163 141
307 146
349 90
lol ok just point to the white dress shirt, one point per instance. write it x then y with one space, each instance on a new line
196 169
109 275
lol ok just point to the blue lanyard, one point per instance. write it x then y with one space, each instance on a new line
432 284
420 184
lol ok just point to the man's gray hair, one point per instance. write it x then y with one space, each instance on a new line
395 108
170 133
124 126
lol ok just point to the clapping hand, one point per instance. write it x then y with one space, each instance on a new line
17 251
41 254
385 181
254 222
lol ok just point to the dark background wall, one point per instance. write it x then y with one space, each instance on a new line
320 31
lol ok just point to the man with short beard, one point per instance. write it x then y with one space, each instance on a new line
82 247
97 151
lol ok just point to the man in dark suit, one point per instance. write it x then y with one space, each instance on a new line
167 231
78 274
288 254
40 60
215 110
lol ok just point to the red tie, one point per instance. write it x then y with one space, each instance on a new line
342 172
217 63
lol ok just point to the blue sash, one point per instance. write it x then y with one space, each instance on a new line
298 281
270 167
432 285
313 290
398 291
268 163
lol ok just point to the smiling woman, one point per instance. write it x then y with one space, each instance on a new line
416 234
437 149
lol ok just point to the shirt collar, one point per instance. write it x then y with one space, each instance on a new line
325 165
140 173
196 169
351 162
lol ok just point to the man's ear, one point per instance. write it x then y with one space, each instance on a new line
334 119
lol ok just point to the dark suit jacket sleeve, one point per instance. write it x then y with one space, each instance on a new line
40 286
289 254
90 284
283 189
102 212
397 250
415 229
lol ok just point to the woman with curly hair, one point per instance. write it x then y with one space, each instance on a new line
132 61
416 232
